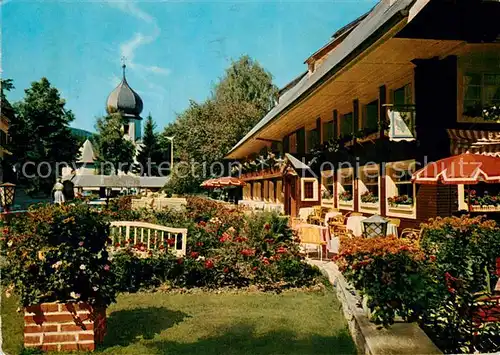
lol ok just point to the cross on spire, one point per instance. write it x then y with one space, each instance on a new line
123 60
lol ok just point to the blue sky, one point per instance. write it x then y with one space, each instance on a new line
175 50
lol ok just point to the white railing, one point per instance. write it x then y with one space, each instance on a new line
149 234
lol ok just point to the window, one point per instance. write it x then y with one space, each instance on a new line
480 90
126 128
293 143
312 139
402 96
345 187
400 190
346 125
369 186
309 189
370 117
327 191
328 131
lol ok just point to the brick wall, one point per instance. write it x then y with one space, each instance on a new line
64 327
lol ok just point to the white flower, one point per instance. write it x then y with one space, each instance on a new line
82 267
9 243
57 265
95 288
200 258
74 295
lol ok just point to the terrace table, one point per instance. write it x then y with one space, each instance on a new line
354 225
305 212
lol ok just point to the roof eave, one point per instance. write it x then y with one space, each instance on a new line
378 34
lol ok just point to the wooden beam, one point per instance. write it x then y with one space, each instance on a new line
382 101
268 140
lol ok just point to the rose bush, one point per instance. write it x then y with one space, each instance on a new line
58 253
444 282
226 248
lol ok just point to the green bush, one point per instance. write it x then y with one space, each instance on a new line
58 253
443 282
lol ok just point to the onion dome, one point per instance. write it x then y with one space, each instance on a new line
124 100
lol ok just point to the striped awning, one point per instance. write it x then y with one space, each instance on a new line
473 141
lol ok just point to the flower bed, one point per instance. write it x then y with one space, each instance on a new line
445 282
225 248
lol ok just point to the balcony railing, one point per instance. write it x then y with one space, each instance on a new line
401 122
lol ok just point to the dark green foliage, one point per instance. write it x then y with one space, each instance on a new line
150 154
58 253
112 146
40 133
206 131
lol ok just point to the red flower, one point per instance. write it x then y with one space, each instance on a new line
269 241
106 267
254 268
142 248
225 237
162 247
117 245
180 261
432 258
226 270
265 261
281 250
171 242
81 244
248 252
267 226
199 244
202 223
209 264
241 239
194 254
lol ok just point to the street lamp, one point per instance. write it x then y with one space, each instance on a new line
7 194
374 226
171 139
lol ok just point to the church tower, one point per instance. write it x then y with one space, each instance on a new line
127 102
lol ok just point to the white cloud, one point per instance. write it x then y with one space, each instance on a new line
128 48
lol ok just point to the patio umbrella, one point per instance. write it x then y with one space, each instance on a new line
210 184
467 169
230 181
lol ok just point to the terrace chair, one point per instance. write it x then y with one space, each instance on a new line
310 235
295 221
337 225
315 218
411 234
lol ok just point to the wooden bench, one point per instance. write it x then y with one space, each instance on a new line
151 235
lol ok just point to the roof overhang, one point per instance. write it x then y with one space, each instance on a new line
382 22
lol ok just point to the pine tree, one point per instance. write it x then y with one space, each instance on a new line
149 155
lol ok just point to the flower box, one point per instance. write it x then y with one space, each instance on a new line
64 326
487 208
369 205
401 208
345 203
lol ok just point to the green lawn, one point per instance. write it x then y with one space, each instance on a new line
293 322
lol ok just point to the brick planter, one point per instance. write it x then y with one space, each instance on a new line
64 326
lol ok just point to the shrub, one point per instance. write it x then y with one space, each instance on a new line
391 272
444 282
465 250
58 253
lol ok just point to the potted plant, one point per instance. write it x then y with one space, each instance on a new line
400 201
58 264
345 197
368 197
